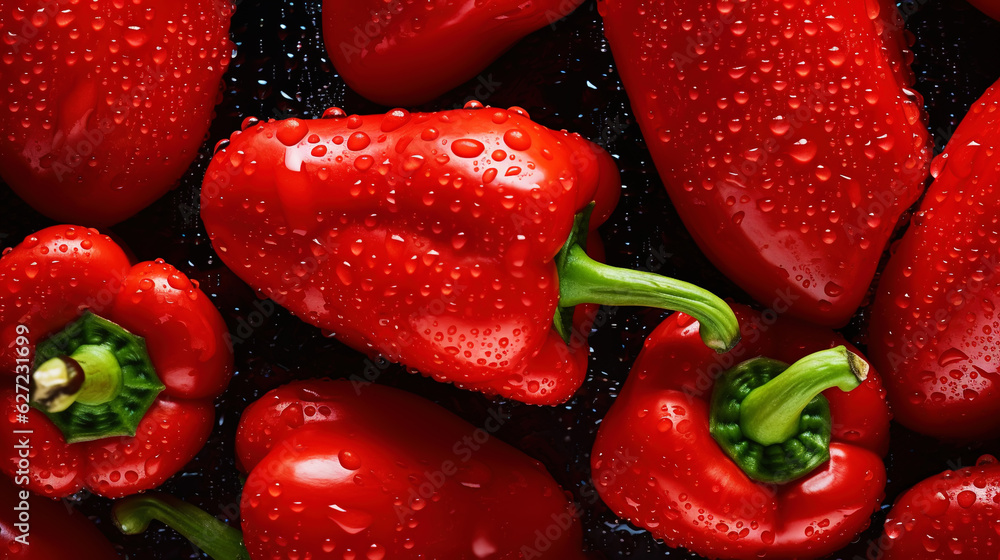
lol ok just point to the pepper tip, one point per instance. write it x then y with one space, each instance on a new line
127 516
721 344
859 367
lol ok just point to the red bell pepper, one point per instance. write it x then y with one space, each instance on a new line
107 102
346 471
122 363
452 242
988 7
735 456
397 52
933 323
786 134
36 528
949 515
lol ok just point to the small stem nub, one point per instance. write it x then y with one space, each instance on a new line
91 375
770 414
55 384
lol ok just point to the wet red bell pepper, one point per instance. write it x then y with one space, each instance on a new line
111 368
106 102
397 52
786 134
742 455
37 528
949 515
452 242
934 321
338 469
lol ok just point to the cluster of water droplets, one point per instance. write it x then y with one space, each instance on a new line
937 308
792 119
84 83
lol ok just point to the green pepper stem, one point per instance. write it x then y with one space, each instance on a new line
770 414
220 541
584 280
91 375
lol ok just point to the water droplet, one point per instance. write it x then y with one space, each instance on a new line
358 141
780 126
135 37
803 151
951 356
364 163
394 119
349 460
352 522
966 498
292 131
517 139
344 273
334 113
467 147
833 290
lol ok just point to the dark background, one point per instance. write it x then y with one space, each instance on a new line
565 77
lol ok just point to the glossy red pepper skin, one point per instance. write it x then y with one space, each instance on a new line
120 106
933 322
354 469
406 53
949 515
426 237
47 282
786 135
988 7
54 530
655 462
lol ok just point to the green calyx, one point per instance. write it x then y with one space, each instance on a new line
133 515
584 280
93 380
772 419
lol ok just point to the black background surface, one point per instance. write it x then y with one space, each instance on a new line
565 77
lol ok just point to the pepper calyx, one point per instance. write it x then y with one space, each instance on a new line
772 419
562 321
94 379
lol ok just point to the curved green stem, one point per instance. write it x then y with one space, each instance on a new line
770 414
90 375
584 280
220 541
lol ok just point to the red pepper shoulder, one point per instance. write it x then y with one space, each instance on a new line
187 339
